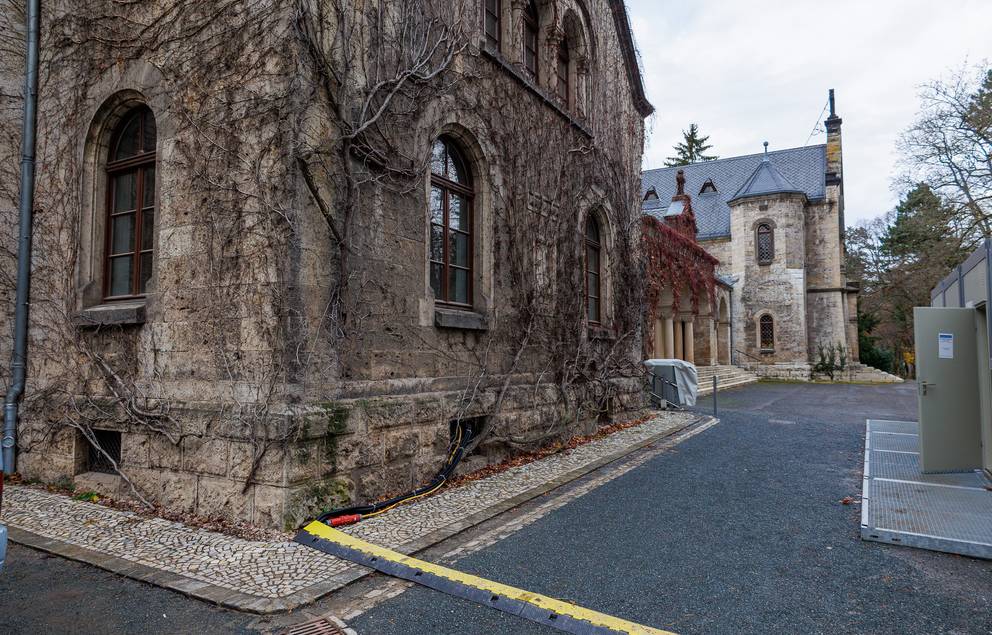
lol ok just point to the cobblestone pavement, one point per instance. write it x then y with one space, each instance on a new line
265 576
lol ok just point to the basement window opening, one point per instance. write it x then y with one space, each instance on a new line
470 426
110 442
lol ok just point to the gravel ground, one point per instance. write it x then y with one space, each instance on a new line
740 529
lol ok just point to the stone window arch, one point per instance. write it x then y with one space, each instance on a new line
130 208
766 333
108 119
452 227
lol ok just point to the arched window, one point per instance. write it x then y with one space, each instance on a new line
532 21
130 206
451 225
593 271
563 89
493 23
766 329
765 244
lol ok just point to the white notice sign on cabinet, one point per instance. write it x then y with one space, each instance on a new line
945 345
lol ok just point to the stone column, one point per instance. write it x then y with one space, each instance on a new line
690 343
669 349
679 341
659 339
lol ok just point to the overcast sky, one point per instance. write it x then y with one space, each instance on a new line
756 70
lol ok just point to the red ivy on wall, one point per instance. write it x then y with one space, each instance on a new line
674 261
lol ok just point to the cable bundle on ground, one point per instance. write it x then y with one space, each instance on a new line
350 515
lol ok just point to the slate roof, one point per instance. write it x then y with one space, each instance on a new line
797 169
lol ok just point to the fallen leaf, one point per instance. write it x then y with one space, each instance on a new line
847 500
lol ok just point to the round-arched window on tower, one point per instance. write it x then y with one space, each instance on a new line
766 328
450 209
764 244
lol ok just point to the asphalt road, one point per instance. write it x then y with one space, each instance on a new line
741 530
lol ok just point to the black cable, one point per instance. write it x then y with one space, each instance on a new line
454 458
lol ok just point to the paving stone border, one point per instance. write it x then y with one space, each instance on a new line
272 577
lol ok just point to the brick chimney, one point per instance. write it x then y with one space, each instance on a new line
835 156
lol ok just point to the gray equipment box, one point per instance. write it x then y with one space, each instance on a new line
673 381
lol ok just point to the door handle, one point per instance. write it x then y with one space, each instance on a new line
924 385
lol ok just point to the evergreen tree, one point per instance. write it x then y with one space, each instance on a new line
692 149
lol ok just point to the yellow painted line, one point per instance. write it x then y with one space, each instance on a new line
320 530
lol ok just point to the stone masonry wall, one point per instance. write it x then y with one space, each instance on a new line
246 383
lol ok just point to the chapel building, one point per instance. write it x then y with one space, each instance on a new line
775 222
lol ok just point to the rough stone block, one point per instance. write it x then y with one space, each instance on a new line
271 467
221 497
205 456
134 450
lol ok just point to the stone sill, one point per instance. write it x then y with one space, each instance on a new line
459 319
111 314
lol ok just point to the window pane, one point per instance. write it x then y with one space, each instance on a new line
436 280
122 234
592 282
593 259
437 206
530 53
127 142
456 169
593 309
592 230
437 243
125 192
438 158
146 271
148 138
147 229
120 275
458 249
458 213
148 187
458 286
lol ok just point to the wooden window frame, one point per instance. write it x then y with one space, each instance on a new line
770 321
597 247
764 229
493 40
138 164
466 191
531 40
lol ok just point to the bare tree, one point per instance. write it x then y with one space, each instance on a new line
950 146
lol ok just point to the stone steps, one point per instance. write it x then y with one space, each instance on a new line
727 377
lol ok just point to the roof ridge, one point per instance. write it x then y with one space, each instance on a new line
740 156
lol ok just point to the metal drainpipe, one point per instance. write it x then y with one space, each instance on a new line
18 364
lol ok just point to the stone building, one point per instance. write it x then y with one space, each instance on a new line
283 251
775 222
